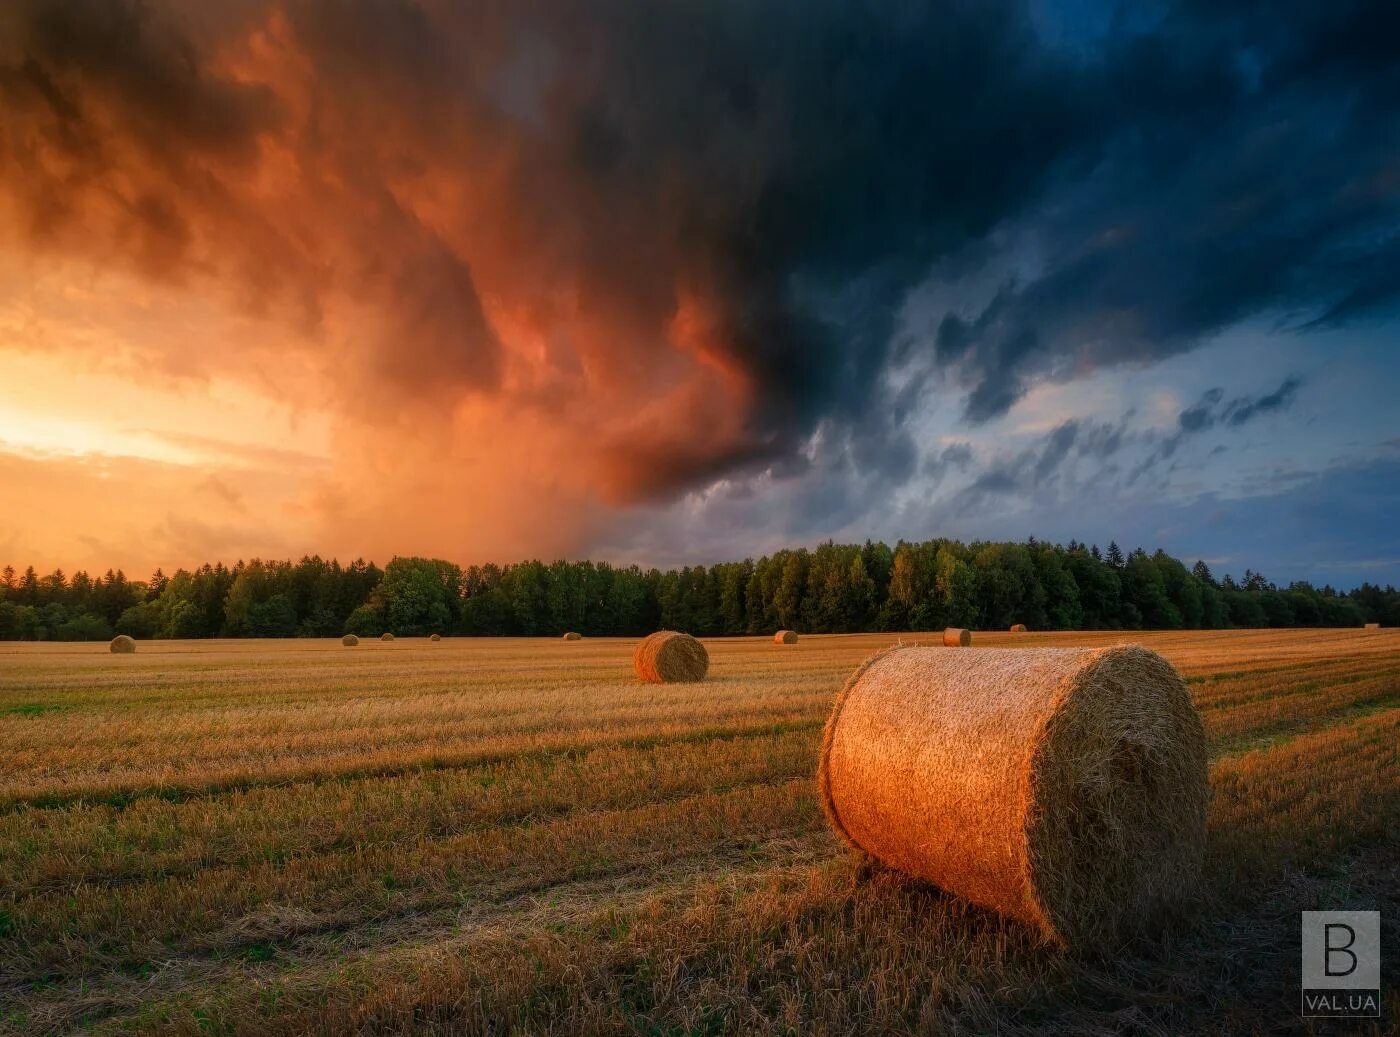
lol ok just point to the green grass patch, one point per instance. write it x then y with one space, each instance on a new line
33 709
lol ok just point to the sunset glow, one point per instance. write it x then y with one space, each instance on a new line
438 278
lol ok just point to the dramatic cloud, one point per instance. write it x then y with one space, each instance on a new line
543 257
1209 411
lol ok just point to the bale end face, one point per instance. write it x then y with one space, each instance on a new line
1065 788
668 657
349 640
785 637
386 636
957 637
122 645
1018 628
573 635
1373 626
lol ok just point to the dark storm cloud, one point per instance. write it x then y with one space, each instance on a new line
1246 167
786 172
1243 408
1209 411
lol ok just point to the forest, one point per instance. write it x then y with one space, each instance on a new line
834 588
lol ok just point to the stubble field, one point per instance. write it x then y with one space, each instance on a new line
514 836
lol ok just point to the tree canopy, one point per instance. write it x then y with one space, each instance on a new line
832 588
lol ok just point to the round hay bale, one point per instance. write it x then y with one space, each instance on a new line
1373 626
573 635
122 645
1064 787
667 657
435 637
349 640
957 637
386 636
1018 628
785 637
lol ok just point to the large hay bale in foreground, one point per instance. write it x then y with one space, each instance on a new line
573 635
122 645
1065 787
349 640
386 636
667 657
957 637
785 637
1018 628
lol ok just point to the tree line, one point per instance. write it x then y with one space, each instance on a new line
834 588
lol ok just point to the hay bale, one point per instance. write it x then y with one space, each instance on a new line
435 637
785 637
1373 626
957 637
667 657
573 635
122 645
386 636
1018 628
349 640
1064 787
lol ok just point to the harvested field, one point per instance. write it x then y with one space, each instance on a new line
487 835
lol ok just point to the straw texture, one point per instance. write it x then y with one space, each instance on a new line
957 637
122 645
1018 628
1373 626
785 637
573 635
386 636
349 640
667 657
1063 787
435 637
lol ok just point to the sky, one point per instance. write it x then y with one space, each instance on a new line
689 282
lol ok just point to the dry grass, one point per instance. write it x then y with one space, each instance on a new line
485 836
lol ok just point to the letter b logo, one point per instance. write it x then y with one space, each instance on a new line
1337 950
1341 974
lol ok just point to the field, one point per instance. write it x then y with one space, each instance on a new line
513 835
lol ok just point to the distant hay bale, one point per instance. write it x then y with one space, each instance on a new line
1064 787
785 637
386 636
122 645
573 635
349 640
957 637
1373 626
667 657
435 637
1018 628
